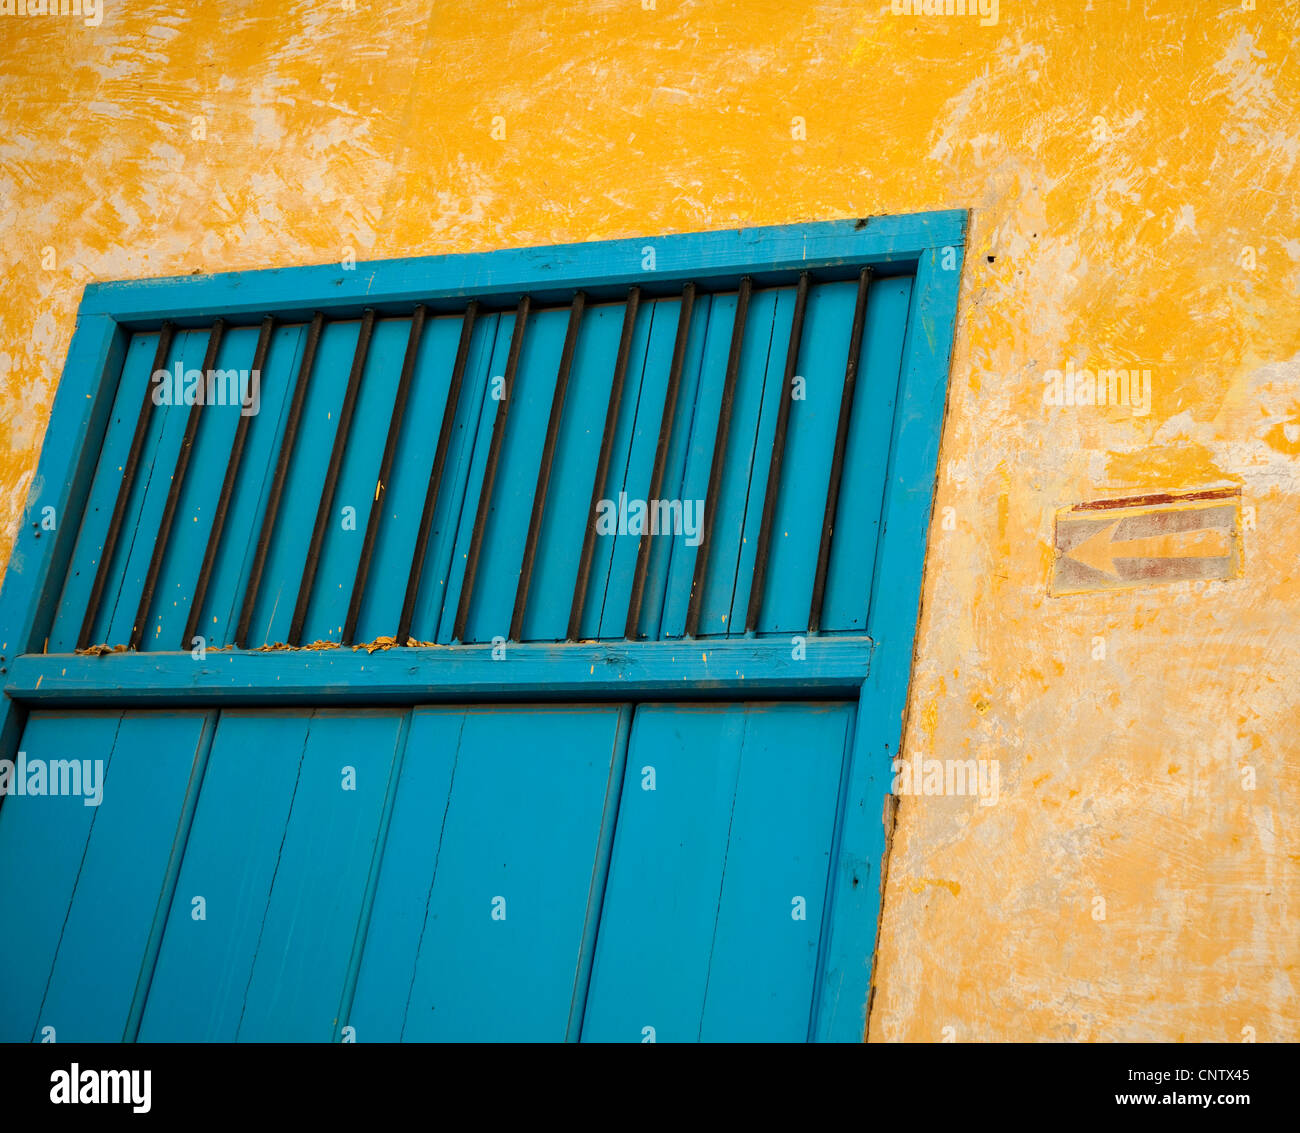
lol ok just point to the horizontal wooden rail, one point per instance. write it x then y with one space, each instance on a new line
605 269
742 668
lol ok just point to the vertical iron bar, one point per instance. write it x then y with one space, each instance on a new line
719 457
227 491
602 462
490 472
385 471
277 482
331 477
435 473
544 468
759 578
661 455
174 488
165 338
837 460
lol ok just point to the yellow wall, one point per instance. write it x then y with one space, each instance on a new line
1114 243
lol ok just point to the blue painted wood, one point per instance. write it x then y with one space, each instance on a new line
810 441
438 597
735 524
697 938
353 971
318 895
651 966
747 468
577 452
273 611
414 676
201 977
357 484
148 499
475 457
180 843
763 959
728 519
600 875
652 607
42 843
502 944
187 544
234 563
851 567
134 380
403 497
103 947
634 458
892 622
695 477
506 526
39 559
616 478
715 259
399 915
127 393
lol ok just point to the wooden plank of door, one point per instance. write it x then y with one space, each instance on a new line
132 843
713 912
318 895
201 977
763 962
651 967
517 882
42 843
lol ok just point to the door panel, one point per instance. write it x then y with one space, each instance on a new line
489 882
229 862
727 820
82 978
42 843
280 851
437 874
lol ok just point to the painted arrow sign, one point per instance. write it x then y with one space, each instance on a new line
1117 544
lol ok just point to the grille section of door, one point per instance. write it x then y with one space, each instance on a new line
700 464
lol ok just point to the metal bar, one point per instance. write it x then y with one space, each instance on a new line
661 455
165 338
759 577
544 468
227 491
174 490
332 477
837 460
719 456
277 481
385 471
490 472
602 462
435 473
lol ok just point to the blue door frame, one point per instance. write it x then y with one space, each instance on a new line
873 669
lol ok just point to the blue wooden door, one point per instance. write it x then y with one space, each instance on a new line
506 484
491 873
